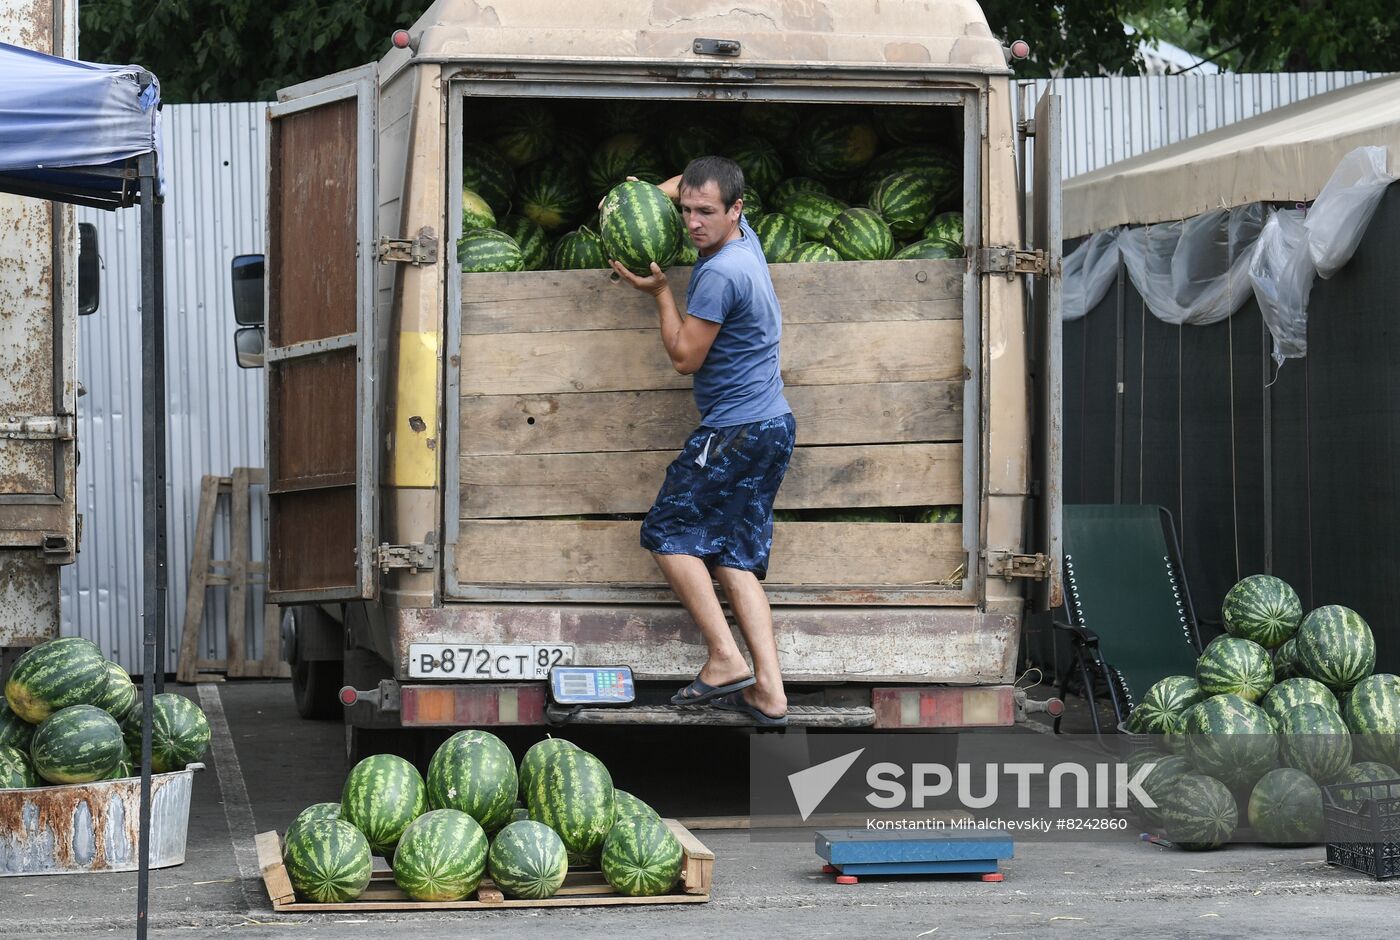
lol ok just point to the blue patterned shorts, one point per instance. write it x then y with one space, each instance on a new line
717 500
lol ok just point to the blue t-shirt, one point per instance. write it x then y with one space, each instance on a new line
739 381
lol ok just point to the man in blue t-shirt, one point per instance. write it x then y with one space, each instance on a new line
714 513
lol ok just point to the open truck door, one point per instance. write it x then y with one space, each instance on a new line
322 451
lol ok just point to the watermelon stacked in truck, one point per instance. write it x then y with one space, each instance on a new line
1280 706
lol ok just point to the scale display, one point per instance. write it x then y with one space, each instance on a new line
592 685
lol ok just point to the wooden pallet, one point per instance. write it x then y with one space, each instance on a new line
580 888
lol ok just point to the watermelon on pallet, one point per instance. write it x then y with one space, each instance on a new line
1231 739
16 772
313 813
1163 703
778 235
476 213
1262 608
573 795
528 860
67 671
1314 739
783 194
813 213
474 772
860 235
1286 665
552 195
485 171
328 861
524 132
812 253
1285 808
118 695
580 250
440 856
1372 712
179 732
833 145
905 201
929 249
640 226
533 761
1199 813
529 238
382 795
77 744
1235 666
641 857
627 805
486 250
1335 647
14 730
1291 692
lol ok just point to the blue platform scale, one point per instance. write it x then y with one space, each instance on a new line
853 852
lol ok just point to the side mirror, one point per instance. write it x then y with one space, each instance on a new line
89 269
248 347
248 291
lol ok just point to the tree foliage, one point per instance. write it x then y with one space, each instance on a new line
1303 35
1074 37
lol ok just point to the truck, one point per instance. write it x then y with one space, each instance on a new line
457 462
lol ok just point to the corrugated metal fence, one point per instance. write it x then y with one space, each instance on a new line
216 179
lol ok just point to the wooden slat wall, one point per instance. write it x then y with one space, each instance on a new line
570 407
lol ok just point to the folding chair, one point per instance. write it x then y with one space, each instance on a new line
1128 614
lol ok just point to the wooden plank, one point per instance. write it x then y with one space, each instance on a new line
587 552
241 547
275 880
631 360
883 413
199 574
532 301
818 478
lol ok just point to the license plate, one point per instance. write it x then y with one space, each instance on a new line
491 661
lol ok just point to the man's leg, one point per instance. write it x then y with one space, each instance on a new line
750 605
690 580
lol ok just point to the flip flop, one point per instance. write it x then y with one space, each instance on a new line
736 702
702 693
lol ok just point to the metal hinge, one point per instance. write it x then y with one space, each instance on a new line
57 428
421 249
414 557
1010 565
1012 261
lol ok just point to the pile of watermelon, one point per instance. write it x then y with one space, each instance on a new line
478 814
545 184
1280 706
70 716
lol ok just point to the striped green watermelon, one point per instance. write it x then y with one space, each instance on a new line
1158 783
1285 808
689 254
1165 701
1240 667
179 732
948 227
809 252
77 744
1363 772
572 149
328 861
528 860
929 249
16 772
313 813
476 214
580 250
783 193
778 235
573 795
1291 692
624 114
1199 813
125 768
905 201
440 856
944 168
118 695
486 172
552 195
1262 608
833 145
382 795
639 226
860 235
776 122
682 144
621 156
1335 647
813 212
909 123
1231 739
529 238
533 761
625 805
753 204
524 133
760 161
1372 712
486 250
641 857
1286 665
521 813
1314 739
62 672
474 772
14 730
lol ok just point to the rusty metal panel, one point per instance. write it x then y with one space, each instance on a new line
29 589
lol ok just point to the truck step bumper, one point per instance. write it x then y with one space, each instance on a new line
801 716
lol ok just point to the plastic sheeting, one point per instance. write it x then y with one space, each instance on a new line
1203 269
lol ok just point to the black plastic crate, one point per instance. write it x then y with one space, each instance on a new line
1362 826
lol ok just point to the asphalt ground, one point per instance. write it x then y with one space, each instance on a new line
265 765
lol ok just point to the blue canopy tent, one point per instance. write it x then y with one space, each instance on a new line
88 134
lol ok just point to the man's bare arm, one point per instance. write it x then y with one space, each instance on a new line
687 339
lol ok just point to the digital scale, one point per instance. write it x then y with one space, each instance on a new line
592 686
